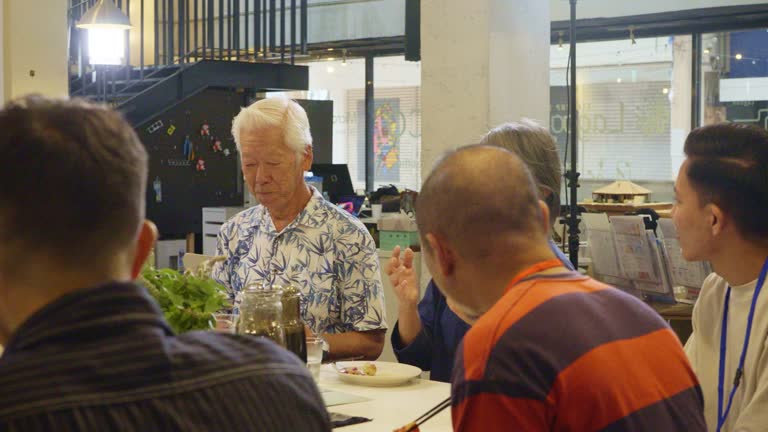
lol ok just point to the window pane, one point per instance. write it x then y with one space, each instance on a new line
397 123
734 81
633 115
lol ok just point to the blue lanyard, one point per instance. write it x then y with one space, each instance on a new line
721 416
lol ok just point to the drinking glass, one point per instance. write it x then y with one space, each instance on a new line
314 356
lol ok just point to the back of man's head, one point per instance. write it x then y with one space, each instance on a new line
480 199
72 187
728 166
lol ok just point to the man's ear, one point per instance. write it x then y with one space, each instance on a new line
307 159
445 257
717 220
544 209
144 245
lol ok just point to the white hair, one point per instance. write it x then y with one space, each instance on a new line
279 112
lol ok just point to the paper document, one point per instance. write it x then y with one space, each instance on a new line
636 258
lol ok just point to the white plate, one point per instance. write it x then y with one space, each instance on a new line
387 374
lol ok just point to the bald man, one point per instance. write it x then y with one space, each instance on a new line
550 349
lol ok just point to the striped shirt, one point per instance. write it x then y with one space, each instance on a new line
563 352
105 359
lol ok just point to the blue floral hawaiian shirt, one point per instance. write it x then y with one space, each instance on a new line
325 252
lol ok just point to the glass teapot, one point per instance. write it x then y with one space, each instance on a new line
261 313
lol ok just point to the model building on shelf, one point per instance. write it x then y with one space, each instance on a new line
622 191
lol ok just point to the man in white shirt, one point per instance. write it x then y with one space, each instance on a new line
720 214
295 236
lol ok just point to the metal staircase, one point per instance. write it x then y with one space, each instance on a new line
193 45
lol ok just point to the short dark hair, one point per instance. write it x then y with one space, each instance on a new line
728 166
73 183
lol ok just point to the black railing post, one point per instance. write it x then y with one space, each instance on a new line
264 20
181 22
204 23
282 31
236 28
164 31
128 43
187 31
157 35
293 31
247 21
221 29
141 40
171 47
272 25
369 114
229 30
256 29
303 18
211 28
197 29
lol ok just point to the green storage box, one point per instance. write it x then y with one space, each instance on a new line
389 239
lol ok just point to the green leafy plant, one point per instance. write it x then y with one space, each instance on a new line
188 300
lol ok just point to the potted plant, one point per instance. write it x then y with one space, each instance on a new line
189 300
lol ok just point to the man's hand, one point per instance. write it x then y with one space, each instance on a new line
402 275
403 278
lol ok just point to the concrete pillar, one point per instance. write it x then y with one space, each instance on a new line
34 48
484 62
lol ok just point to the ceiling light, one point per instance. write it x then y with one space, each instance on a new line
104 14
739 56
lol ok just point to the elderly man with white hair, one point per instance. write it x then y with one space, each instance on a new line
295 236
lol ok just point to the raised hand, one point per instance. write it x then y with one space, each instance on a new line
402 275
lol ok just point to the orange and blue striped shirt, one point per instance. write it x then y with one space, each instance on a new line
563 352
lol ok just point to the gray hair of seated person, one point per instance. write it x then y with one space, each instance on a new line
537 148
498 202
279 112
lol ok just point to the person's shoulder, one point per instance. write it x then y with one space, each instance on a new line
342 219
710 301
247 216
243 219
712 288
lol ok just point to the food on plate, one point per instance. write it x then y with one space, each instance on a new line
368 369
410 427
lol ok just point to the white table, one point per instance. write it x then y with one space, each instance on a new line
391 407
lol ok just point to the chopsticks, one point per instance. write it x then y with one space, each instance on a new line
426 416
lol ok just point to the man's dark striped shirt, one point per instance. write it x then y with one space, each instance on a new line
105 359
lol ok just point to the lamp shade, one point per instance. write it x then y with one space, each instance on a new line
104 14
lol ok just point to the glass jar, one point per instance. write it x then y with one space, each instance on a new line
261 313
295 339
